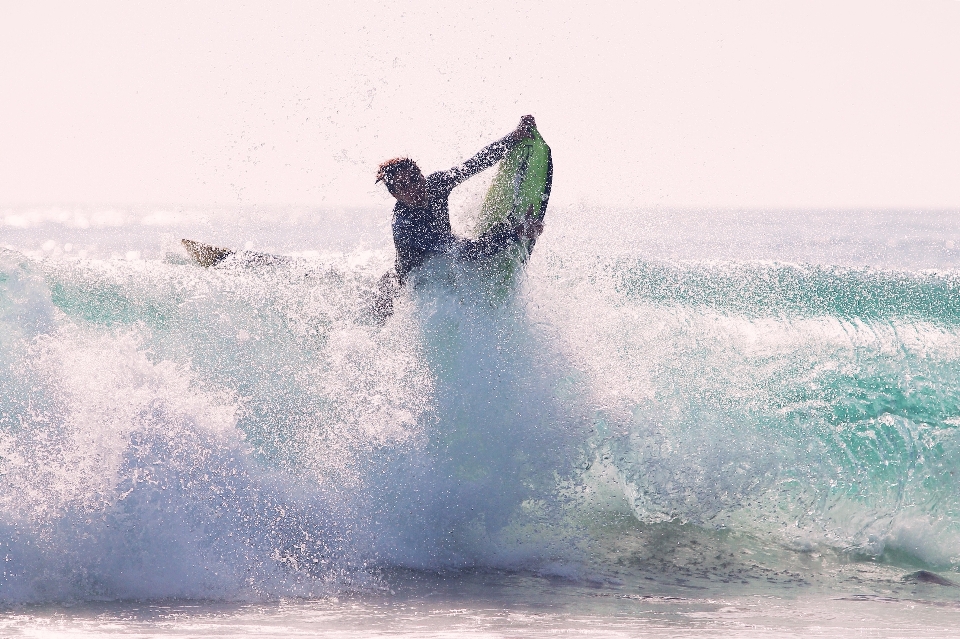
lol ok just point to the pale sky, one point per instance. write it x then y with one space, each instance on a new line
648 104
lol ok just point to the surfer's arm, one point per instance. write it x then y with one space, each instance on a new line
499 237
487 157
490 154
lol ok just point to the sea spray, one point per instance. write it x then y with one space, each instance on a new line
229 433
778 409
240 433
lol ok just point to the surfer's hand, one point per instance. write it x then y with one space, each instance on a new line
530 228
524 129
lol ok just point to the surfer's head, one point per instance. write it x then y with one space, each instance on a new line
404 180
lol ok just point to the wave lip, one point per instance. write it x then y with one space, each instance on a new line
757 289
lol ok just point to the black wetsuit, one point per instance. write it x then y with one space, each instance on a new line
420 233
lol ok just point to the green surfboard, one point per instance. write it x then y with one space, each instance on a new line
523 180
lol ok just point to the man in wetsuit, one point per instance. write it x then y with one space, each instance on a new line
421 219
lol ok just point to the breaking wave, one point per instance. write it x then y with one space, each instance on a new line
240 433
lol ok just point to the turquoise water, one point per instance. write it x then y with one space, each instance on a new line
712 421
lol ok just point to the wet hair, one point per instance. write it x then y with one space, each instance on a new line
390 168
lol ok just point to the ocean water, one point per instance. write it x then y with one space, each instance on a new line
710 423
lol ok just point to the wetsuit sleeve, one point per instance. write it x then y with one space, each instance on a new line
487 157
499 237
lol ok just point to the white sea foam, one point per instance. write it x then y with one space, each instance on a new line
240 433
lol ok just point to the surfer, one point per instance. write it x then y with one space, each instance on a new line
421 217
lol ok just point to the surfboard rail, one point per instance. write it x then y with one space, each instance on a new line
523 180
522 183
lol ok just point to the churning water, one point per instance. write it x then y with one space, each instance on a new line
739 423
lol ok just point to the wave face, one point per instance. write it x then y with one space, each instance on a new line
239 433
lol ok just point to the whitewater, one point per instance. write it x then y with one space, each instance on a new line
671 423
